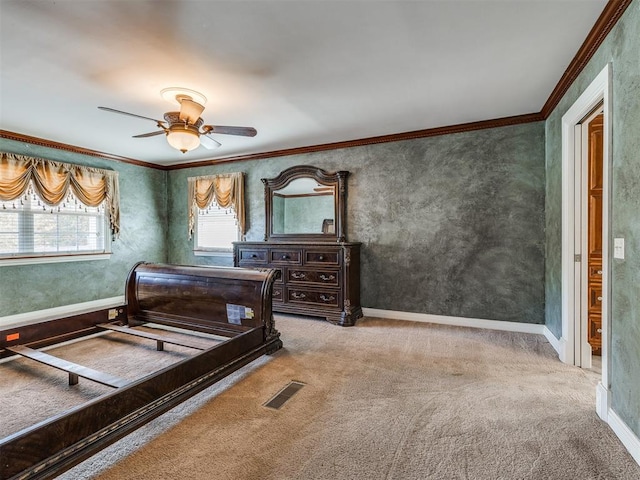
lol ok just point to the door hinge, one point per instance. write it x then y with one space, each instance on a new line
577 258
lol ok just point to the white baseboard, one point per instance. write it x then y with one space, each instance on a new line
559 345
457 321
563 352
602 401
624 433
36 316
551 338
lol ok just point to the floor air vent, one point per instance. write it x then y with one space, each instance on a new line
284 395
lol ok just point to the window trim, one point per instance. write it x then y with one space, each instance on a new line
73 257
213 253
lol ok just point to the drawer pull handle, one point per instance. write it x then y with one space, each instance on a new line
321 257
599 272
326 279
285 257
254 256
298 275
326 298
599 299
599 330
298 296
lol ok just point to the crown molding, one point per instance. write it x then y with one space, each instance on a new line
612 12
19 137
396 137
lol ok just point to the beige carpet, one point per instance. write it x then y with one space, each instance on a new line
383 400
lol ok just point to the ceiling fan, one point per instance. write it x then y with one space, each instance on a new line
184 129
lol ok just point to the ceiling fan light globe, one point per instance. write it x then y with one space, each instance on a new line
183 138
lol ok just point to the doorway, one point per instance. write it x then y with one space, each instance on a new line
585 258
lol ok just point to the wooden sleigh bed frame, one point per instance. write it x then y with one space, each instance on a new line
234 303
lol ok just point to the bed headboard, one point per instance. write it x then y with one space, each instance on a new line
221 300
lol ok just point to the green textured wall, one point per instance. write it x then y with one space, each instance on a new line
459 218
143 237
621 49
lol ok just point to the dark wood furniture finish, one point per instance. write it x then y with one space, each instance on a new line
57 330
160 339
336 180
319 270
73 369
234 303
316 279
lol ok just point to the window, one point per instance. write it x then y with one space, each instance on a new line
29 227
216 212
216 229
55 212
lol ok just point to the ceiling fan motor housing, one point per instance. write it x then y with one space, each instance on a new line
173 118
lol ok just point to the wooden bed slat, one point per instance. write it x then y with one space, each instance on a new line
183 342
73 369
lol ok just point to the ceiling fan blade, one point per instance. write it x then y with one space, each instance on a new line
150 134
207 142
242 131
113 110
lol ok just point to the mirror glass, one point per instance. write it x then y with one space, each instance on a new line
304 206
305 203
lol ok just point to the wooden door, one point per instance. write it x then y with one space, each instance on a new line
594 240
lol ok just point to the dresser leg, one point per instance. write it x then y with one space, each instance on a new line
347 318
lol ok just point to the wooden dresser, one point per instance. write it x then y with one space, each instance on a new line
316 278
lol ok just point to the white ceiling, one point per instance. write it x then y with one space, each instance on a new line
303 72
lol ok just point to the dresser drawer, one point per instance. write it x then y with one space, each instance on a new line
595 272
300 275
595 297
289 256
316 278
316 297
247 255
317 257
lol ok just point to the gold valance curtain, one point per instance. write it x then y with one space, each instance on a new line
52 180
226 189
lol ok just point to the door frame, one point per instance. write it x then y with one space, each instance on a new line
572 342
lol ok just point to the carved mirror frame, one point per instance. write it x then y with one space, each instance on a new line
336 179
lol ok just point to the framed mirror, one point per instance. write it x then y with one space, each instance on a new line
305 203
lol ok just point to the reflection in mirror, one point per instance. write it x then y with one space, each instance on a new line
304 206
305 203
